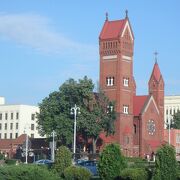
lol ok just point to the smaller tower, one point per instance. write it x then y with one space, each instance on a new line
156 86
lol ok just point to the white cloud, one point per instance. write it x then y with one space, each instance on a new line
36 32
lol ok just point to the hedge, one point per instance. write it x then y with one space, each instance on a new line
134 174
26 172
77 173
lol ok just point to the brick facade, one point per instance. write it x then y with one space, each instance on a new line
139 124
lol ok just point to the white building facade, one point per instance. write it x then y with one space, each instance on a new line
17 119
171 106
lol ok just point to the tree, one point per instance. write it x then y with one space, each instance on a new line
176 121
63 159
95 115
111 162
165 164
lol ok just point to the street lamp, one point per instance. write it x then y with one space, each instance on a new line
74 111
26 151
53 146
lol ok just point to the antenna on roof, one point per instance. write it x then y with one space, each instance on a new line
106 16
155 53
126 13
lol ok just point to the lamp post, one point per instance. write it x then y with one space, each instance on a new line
26 151
53 145
74 111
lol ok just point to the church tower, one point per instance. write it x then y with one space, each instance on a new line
156 86
116 47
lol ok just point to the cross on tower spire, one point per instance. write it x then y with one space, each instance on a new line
156 53
126 13
106 16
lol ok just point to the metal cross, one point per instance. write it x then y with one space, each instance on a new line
156 53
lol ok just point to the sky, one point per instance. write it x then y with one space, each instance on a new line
44 43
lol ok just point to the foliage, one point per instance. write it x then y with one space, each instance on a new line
165 164
26 172
10 161
77 173
1 156
55 112
111 162
63 159
176 120
134 174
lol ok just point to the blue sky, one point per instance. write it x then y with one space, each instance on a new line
43 43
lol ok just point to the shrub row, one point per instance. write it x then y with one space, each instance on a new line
26 172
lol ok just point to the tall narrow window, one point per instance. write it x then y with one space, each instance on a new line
5 135
11 126
17 115
11 115
0 126
0 116
6 116
32 116
11 135
16 135
16 125
135 129
5 126
32 126
126 82
110 81
126 109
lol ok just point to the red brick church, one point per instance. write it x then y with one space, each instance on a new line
140 122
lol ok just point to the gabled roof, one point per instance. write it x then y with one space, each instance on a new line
112 29
156 72
138 104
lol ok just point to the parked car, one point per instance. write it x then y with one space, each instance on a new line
91 165
47 162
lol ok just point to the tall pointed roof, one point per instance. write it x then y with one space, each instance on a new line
112 29
156 72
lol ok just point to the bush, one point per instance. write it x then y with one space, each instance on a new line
77 173
165 164
10 161
111 162
1 156
26 172
63 159
134 174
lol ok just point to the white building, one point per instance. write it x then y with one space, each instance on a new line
17 119
171 106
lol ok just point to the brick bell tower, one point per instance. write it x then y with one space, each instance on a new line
116 47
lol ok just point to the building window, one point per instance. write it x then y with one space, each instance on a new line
126 82
11 126
5 126
16 135
32 116
166 111
178 138
110 81
17 115
10 135
6 116
16 125
135 129
126 109
32 126
170 111
5 135
0 126
11 115
0 135
32 135
0 116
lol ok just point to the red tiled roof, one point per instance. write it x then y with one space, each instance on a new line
112 29
156 72
138 104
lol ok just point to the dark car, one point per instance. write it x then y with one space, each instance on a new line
47 162
91 165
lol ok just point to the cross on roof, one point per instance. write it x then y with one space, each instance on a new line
106 16
156 53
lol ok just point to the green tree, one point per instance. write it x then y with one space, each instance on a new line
176 121
63 159
165 164
111 162
95 115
